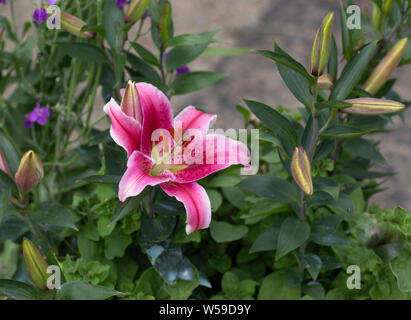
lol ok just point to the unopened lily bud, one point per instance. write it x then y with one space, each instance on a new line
372 106
325 82
387 7
36 264
3 165
30 172
74 25
130 104
165 22
136 10
322 46
301 170
376 17
386 66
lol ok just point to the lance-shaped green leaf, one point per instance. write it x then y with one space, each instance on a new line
345 34
352 73
385 68
135 10
301 170
322 46
372 106
36 264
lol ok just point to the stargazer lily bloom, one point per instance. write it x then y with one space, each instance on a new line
172 153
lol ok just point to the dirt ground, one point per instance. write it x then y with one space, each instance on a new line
255 24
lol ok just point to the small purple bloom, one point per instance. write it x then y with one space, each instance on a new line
121 3
51 2
3 1
39 115
26 121
40 15
182 70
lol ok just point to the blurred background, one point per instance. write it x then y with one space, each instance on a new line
255 24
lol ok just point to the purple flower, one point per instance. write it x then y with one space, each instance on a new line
182 70
40 15
3 1
52 1
121 3
39 115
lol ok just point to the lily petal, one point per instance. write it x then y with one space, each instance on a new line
191 118
218 153
157 113
137 176
196 202
124 130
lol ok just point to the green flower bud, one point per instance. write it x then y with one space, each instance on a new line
386 66
372 106
36 264
301 170
136 10
30 172
73 25
322 46
387 7
325 82
130 104
165 22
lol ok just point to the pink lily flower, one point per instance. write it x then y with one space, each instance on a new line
159 154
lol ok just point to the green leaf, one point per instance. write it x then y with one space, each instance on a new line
191 39
344 132
400 267
224 180
267 241
297 84
197 80
273 120
7 183
280 285
352 73
143 68
218 52
78 290
216 199
10 153
158 229
18 290
109 179
115 244
327 185
113 21
124 208
315 290
333 104
225 232
345 34
293 233
180 56
364 149
53 213
312 263
271 188
104 226
327 236
83 51
145 54
333 62
287 61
